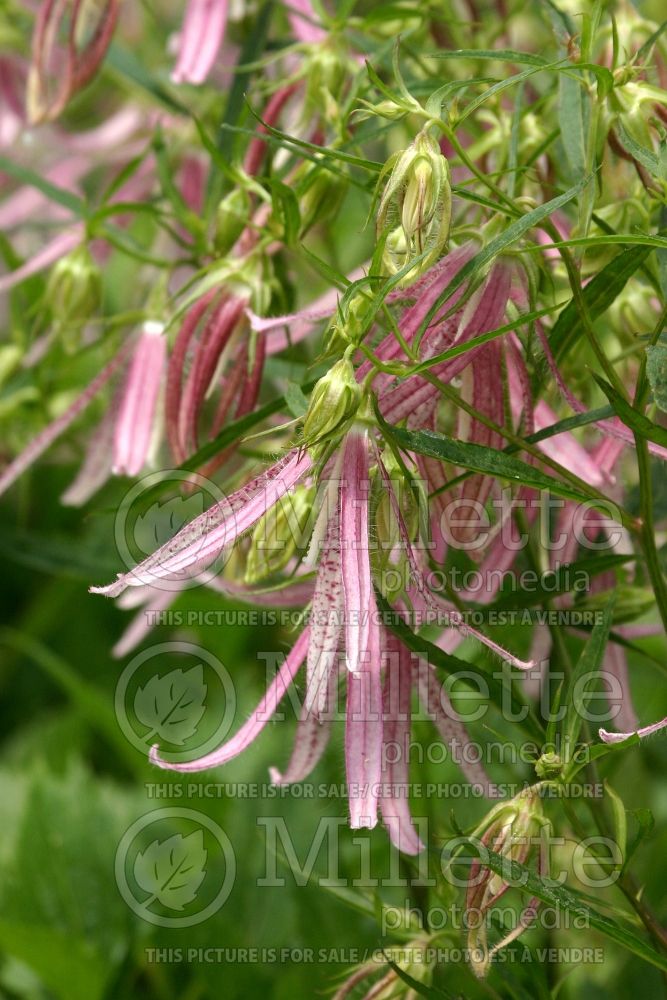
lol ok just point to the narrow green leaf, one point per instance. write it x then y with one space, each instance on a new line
636 421
572 121
656 372
479 458
579 688
620 821
642 154
598 295
562 898
54 193
496 55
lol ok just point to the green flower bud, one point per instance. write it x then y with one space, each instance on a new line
279 534
415 209
74 289
231 218
549 765
333 403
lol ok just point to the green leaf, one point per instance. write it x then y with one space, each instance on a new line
480 458
496 55
54 193
572 121
656 372
96 708
562 898
598 295
619 820
509 236
72 969
553 583
636 421
645 824
296 400
642 154
577 695
421 989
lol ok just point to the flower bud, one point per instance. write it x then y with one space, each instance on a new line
415 209
549 765
74 289
231 218
510 830
278 534
333 403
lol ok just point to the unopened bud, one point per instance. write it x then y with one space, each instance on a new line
549 765
333 403
278 534
415 209
74 289
231 218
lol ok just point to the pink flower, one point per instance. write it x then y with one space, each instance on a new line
202 35
135 424
57 72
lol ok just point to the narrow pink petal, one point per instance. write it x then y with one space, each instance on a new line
96 467
302 19
202 35
45 439
644 731
53 251
325 620
293 327
396 736
142 624
251 729
310 742
136 418
363 735
201 541
355 554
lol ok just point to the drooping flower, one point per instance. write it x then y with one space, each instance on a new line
60 69
201 37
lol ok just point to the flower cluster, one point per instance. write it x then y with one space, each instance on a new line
413 410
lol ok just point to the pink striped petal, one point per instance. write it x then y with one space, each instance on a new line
354 542
363 735
136 418
202 35
310 742
45 439
644 731
396 702
325 620
201 541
